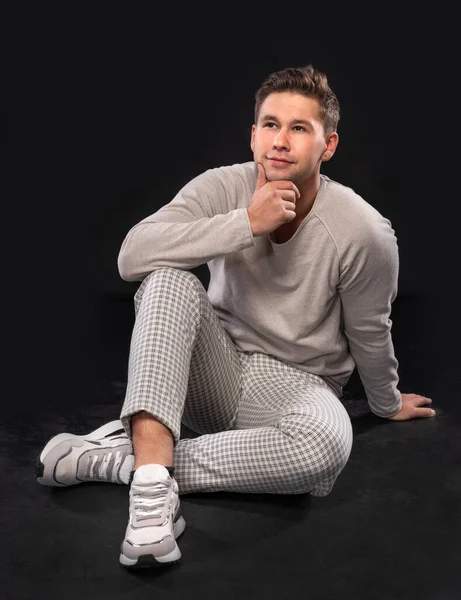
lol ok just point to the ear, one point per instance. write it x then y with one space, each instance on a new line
252 142
332 143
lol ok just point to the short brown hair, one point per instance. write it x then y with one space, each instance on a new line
307 81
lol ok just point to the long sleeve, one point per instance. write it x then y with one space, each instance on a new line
202 222
369 281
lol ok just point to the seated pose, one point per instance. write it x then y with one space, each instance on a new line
303 273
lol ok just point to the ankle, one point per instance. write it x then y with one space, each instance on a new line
152 441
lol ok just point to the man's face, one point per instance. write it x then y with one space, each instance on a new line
288 129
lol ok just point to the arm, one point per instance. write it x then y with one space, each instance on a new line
368 287
201 222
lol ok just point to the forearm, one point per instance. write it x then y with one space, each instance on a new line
154 244
377 367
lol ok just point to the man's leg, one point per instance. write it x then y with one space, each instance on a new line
292 435
178 349
182 367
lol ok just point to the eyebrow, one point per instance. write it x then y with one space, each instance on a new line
302 121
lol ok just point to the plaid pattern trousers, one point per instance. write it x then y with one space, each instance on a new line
262 426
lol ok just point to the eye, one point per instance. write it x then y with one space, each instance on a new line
299 128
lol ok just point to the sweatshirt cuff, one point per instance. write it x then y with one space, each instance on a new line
245 216
385 414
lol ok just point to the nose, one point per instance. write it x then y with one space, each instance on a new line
281 141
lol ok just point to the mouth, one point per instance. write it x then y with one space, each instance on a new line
278 162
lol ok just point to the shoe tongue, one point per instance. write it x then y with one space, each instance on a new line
150 474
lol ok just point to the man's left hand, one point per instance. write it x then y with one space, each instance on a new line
412 407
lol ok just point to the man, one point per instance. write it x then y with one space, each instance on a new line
303 273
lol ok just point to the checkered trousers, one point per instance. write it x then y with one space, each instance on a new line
264 426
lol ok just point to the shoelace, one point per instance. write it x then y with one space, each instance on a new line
104 466
149 500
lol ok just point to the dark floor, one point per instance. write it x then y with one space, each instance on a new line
389 530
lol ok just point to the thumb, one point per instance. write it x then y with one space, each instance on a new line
261 177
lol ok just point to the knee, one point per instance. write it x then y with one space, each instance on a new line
168 283
171 274
319 452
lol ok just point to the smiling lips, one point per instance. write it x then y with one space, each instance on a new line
278 162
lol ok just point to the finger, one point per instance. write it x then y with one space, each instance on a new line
423 400
288 195
425 412
262 180
283 184
290 215
289 205
419 398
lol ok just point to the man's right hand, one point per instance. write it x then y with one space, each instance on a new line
273 204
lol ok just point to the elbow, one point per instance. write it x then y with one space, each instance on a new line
125 269
127 260
127 266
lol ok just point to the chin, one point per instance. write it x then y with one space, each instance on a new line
294 177
273 174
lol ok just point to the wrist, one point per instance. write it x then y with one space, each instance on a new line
252 223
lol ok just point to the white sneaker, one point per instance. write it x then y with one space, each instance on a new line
103 455
155 518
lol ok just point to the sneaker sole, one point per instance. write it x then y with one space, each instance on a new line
149 560
43 470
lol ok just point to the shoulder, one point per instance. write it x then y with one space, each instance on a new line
350 217
227 178
237 174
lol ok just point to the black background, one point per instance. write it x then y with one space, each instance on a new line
111 111
107 111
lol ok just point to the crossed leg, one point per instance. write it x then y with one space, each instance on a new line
264 425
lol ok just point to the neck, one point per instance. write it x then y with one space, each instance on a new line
308 190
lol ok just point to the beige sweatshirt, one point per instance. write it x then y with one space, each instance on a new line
320 301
